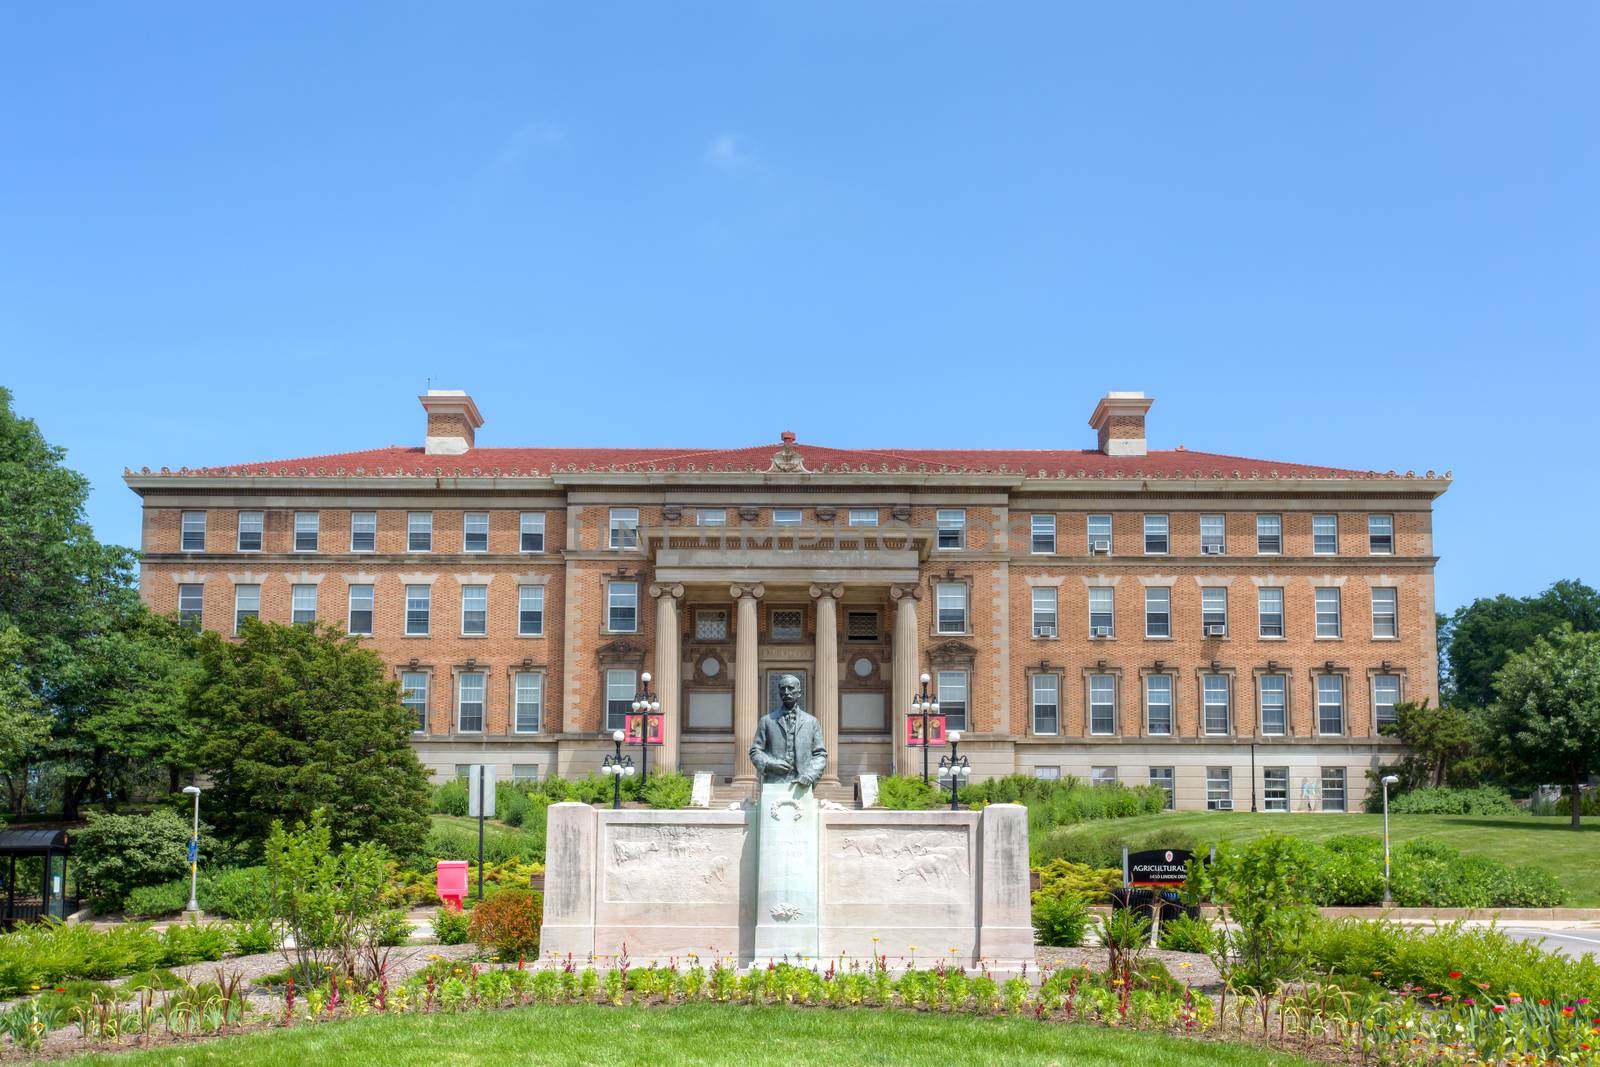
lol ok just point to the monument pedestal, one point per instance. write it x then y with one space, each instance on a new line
786 874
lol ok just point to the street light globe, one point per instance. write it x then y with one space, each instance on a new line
955 737
1391 779
645 677
616 735
191 790
926 678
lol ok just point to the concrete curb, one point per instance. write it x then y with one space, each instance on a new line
1451 914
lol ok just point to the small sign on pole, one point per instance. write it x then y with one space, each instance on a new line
480 805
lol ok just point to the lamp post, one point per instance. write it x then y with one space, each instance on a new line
924 705
194 849
647 704
954 767
617 766
1388 780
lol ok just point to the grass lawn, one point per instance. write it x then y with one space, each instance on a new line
700 1033
1574 858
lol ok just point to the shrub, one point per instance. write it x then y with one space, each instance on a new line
1349 874
1186 934
1060 921
500 844
1092 885
1429 873
255 937
116 854
1439 800
508 923
235 893
330 902
904 792
451 927
392 928
450 798
668 790
1266 888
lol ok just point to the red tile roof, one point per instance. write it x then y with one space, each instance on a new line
516 462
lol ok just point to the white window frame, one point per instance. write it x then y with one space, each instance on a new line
530 602
623 524
246 605
308 524
469 520
1157 527
471 597
788 517
1042 531
256 521
1217 536
1331 683
622 596
1167 779
951 521
1107 612
1045 621
192 603
618 702
1379 683
711 516
1219 788
862 517
1317 535
425 600
1210 615
192 523
1153 683
1102 698
1158 605
302 599
1335 630
522 683
1099 529
482 688
419 524
1274 799
953 688
419 708
1269 535
1208 688
530 525
1335 789
352 598
1391 611
950 597
1375 524
1102 776
1263 594
359 519
1045 685
1279 685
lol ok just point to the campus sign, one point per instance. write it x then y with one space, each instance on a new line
1160 866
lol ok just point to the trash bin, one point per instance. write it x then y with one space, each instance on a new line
452 882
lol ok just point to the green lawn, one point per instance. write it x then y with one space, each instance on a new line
1574 858
696 1034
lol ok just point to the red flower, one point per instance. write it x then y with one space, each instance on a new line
1469 1002
1544 1002
1499 1007
1455 974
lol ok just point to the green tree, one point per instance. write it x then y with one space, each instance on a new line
1482 636
1545 720
23 725
296 718
1440 742
1265 888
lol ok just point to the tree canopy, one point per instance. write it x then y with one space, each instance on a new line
1545 720
1482 636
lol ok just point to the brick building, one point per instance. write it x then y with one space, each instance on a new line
1233 629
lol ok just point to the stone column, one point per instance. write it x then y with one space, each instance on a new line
746 681
669 665
907 672
1005 926
571 852
824 696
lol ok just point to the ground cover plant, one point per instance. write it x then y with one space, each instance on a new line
44 955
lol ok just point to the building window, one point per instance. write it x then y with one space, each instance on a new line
863 516
530 611
1385 695
532 531
307 530
1167 779
1158 704
194 532
711 517
1269 610
246 604
419 531
1047 774
1328 624
1046 704
1214 611
1274 705
952 529
1044 535
1330 704
1219 789
624 527
1213 535
1102 776
1275 788
475 531
1102 704
952 607
1157 611
621 688
1333 789
419 610
524 773
191 605
1384 612
414 697
622 607
861 626
1044 611
1155 535
1380 537
474 610
360 614
1269 535
1216 693
1100 534
1102 611
363 531
711 624
302 604
529 690
786 517
250 524
952 697
1325 535
787 624
469 702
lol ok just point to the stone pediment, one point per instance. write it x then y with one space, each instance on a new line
952 652
620 651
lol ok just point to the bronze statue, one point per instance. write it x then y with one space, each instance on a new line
788 745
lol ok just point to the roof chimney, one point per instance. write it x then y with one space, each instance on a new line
1119 420
452 420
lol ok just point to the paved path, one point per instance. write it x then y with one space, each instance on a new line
1569 939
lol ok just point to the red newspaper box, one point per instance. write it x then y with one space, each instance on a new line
452 882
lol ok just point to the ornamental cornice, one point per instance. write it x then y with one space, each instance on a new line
673 591
827 589
755 591
905 592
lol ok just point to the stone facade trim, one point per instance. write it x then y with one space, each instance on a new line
418 579
1100 580
1158 580
249 577
1328 581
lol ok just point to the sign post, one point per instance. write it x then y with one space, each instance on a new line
1157 868
480 802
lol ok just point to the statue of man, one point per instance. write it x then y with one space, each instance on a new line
788 745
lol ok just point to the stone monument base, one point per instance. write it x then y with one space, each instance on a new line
786 873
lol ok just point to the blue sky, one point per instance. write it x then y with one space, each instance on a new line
1356 234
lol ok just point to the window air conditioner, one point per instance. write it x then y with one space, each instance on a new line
1212 550
1099 631
1044 631
1215 630
1100 544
